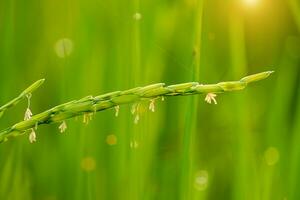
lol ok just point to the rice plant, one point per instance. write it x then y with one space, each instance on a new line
192 140
89 105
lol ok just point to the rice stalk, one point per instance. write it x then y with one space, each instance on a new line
25 94
89 105
191 118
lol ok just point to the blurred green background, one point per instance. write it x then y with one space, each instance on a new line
245 147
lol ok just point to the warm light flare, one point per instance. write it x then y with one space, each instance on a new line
251 2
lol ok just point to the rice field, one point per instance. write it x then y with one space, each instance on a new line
153 139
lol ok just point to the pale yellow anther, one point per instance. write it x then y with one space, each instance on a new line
63 126
32 136
117 109
211 97
152 105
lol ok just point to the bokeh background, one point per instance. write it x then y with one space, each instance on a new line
245 147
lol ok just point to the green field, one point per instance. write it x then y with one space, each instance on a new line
245 147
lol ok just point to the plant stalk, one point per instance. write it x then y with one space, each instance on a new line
90 104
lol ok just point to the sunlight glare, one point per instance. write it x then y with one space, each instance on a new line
251 2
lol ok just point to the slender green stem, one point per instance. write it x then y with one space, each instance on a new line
21 96
295 8
90 105
192 113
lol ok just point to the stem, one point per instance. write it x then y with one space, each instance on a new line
21 96
295 8
191 114
91 104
